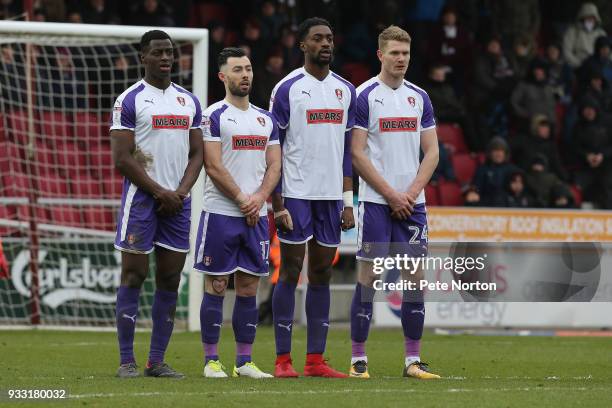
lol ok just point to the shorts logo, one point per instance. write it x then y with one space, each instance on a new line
411 101
315 116
397 124
181 100
367 247
170 122
207 260
261 121
249 142
339 93
131 239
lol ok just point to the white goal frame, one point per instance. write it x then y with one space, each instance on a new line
199 38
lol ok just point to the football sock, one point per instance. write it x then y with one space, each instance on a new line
283 304
317 318
361 316
126 313
244 323
164 307
211 318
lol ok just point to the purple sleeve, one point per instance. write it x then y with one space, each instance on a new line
362 117
347 163
279 102
350 122
128 113
427 120
197 118
274 133
281 139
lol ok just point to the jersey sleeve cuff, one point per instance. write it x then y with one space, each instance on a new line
430 127
360 127
212 139
121 128
273 142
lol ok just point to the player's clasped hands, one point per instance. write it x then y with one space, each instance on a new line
170 202
402 205
250 205
348 219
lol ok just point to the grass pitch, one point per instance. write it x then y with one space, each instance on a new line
478 371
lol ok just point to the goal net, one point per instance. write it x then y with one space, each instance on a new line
59 192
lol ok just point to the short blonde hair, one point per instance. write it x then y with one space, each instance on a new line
392 33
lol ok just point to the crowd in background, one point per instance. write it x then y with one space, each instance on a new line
527 81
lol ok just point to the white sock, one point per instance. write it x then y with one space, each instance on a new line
411 359
355 359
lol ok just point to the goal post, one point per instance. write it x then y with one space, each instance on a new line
59 192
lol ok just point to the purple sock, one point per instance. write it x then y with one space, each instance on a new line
243 353
164 307
211 318
283 304
361 317
412 348
413 318
244 323
317 318
210 352
126 313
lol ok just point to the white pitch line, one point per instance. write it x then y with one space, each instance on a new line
343 391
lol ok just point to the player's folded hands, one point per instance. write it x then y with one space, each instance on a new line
283 220
170 202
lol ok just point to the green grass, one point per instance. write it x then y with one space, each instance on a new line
479 372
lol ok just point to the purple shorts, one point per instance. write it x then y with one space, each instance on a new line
227 244
321 219
140 228
380 235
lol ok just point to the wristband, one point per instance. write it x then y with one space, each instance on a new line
347 198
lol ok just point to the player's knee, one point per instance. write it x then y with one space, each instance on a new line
291 268
216 285
169 283
246 288
132 278
319 274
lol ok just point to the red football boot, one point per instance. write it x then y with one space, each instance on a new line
316 366
283 367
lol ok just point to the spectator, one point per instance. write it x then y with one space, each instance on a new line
444 169
98 12
560 75
538 140
562 197
254 41
601 61
493 82
514 19
491 177
593 147
12 79
216 89
54 10
534 95
450 45
448 107
541 181
75 17
271 20
266 78
152 13
597 88
517 195
522 55
579 39
292 56
62 86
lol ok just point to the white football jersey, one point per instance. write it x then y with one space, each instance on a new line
161 120
313 117
244 137
394 119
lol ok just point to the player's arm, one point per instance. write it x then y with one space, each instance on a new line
123 145
196 152
398 203
279 107
348 219
220 176
270 180
429 145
